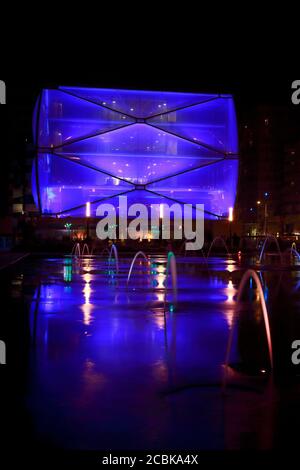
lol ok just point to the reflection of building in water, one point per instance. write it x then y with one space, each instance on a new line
230 303
87 307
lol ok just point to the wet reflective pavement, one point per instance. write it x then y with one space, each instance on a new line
111 366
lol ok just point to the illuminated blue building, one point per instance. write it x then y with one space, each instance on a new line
96 144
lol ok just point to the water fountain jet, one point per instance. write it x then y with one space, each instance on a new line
213 243
294 251
250 274
105 250
171 267
114 251
268 238
139 253
85 248
76 250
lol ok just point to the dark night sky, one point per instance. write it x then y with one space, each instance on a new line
159 58
248 92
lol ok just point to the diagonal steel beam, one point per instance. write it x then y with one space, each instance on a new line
180 108
90 136
197 143
97 104
186 171
91 167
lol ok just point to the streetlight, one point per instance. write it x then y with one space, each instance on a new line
258 222
259 203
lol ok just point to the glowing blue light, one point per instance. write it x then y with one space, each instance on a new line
95 144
